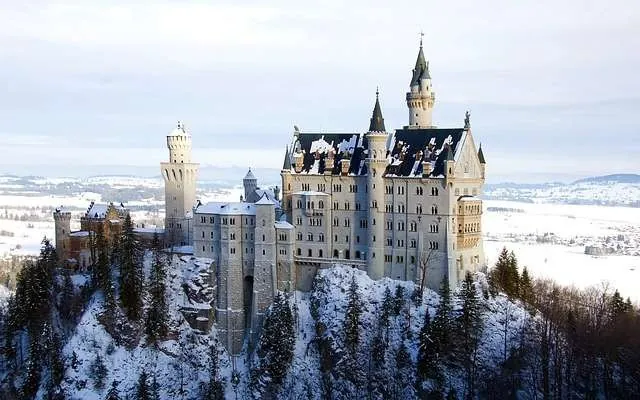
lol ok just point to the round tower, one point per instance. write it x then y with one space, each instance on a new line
421 98
250 183
180 187
376 164
62 221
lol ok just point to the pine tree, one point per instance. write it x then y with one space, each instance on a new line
34 366
98 372
142 389
215 387
276 343
56 361
387 308
526 287
131 280
113 394
513 281
403 373
427 350
469 328
398 301
352 317
156 323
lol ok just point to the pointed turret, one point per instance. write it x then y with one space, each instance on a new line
420 98
286 165
420 68
481 155
377 122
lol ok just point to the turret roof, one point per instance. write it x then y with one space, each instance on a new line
449 154
481 155
287 160
264 200
249 176
421 70
377 122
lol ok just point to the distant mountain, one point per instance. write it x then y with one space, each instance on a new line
614 178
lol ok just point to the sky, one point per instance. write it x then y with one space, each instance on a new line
94 87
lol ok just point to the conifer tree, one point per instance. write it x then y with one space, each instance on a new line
34 366
352 317
67 297
113 393
403 373
427 350
98 372
526 287
142 388
398 300
215 388
387 308
156 323
276 344
469 328
131 279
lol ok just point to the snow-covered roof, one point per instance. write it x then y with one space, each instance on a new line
310 193
149 230
264 200
468 198
283 225
79 234
227 208
249 175
408 148
96 210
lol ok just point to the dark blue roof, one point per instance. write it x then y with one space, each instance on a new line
411 145
349 145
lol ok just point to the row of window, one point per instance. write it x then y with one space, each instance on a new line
310 204
469 228
226 220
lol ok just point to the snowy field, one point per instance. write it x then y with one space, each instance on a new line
550 240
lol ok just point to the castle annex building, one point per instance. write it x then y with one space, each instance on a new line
401 204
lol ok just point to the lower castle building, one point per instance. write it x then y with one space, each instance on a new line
400 204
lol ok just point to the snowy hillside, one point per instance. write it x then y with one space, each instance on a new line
611 190
180 365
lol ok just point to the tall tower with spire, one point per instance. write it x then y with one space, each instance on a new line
179 188
376 163
421 97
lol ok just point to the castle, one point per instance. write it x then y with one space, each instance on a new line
400 204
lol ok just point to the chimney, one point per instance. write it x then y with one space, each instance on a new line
298 159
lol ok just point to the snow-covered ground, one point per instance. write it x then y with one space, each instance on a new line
550 240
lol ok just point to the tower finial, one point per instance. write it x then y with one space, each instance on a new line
421 36
377 122
377 92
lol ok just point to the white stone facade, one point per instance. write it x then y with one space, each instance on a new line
180 176
402 205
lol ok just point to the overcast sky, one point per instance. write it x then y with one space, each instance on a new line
553 86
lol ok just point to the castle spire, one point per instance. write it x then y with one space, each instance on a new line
481 155
377 122
286 165
421 70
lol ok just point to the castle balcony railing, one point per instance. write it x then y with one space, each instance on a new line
328 261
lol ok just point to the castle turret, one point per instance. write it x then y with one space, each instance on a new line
483 163
420 98
376 164
285 173
180 176
62 220
250 184
264 271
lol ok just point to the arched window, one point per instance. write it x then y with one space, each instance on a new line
299 251
309 253
320 253
335 254
358 254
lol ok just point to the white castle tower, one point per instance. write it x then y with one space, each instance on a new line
376 164
420 98
179 188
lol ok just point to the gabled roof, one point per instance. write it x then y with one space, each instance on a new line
410 147
264 201
377 122
226 208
